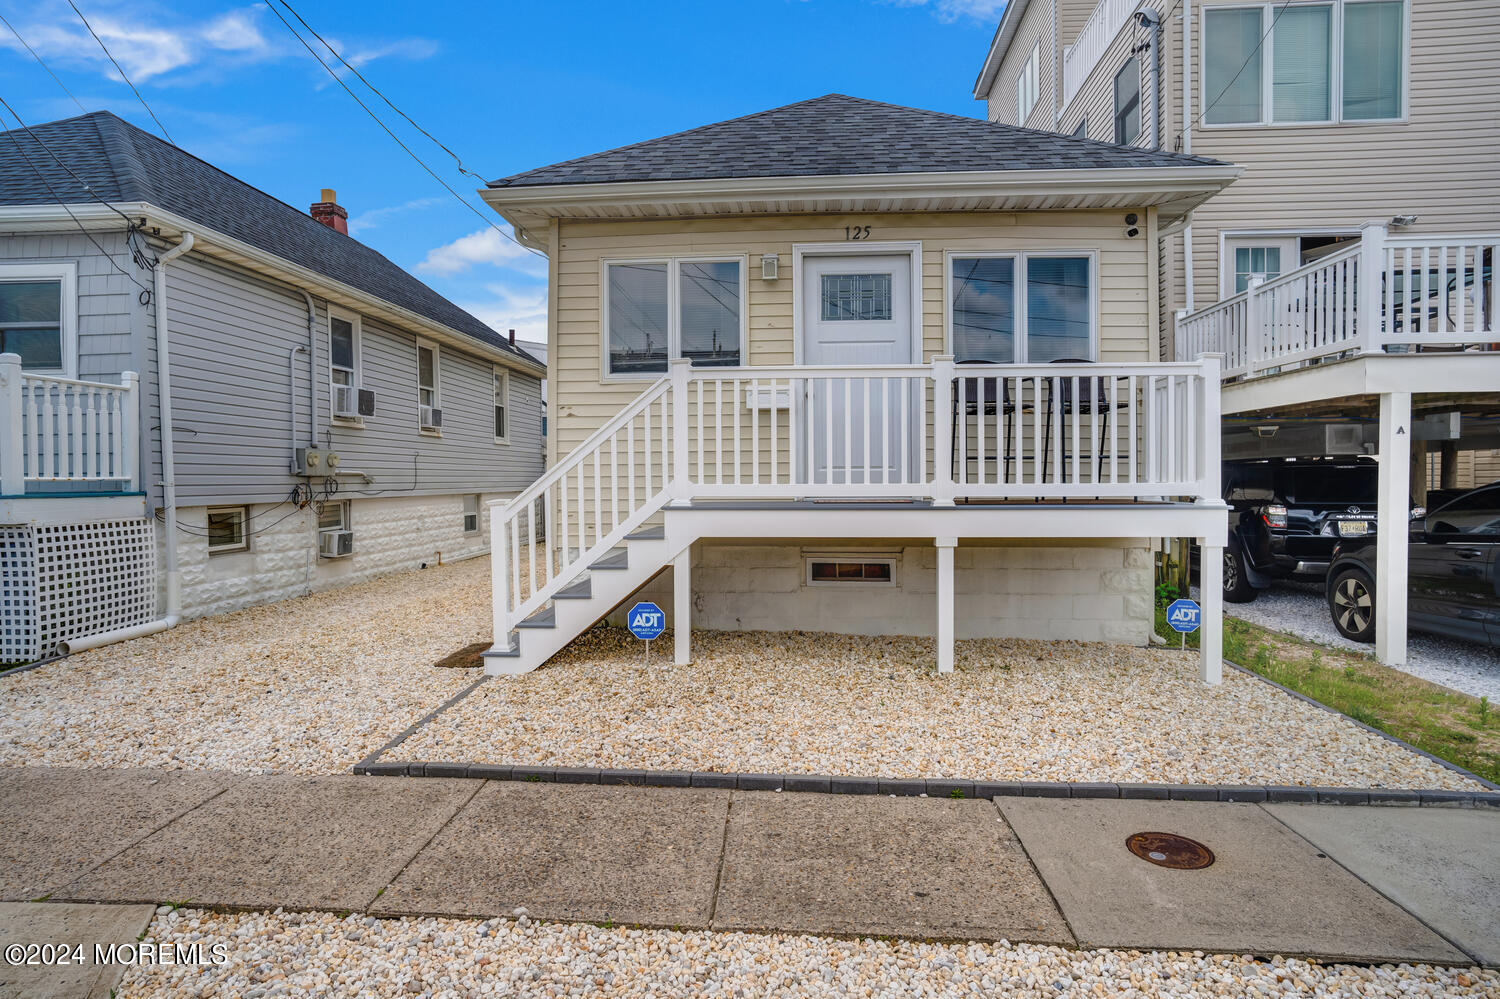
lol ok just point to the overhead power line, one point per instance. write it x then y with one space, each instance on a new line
121 70
43 64
387 130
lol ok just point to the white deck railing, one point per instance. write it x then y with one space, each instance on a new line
1080 58
1425 291
65 430
936 432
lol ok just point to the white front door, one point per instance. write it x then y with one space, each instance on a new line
856 310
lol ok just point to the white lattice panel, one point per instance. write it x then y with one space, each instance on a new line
93 578
18 633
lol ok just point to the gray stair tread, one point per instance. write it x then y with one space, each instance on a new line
544 618
652 533
580 589
617 559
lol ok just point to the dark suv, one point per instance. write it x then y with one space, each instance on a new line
1286 514
1453 574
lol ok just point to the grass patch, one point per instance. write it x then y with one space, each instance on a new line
1452 726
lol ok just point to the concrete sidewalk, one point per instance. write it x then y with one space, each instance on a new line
1333 882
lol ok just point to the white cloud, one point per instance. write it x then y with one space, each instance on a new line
236 31
523 309
948 11
375 216
486 246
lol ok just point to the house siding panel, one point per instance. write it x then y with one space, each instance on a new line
1035 26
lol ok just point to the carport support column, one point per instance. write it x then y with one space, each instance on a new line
682 607
1392 514
945 603
1211 628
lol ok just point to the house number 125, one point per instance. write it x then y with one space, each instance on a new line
856 232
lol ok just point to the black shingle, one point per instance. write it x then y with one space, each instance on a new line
839 135
121 163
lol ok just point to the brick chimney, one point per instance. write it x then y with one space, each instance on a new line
330 212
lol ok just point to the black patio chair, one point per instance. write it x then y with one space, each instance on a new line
985 396
1093 397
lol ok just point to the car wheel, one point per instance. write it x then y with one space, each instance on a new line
1351 601
1237 588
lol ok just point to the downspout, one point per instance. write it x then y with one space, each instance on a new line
291 408
1151 19
312 371
1187 146
169 477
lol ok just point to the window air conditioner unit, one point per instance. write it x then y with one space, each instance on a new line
366 402
344 402
430 417
335 544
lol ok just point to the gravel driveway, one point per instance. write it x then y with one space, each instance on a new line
1298 608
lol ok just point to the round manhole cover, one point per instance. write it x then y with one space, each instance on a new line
1170 850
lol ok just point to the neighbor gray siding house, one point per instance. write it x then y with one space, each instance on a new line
331 418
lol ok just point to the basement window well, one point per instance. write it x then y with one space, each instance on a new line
850 570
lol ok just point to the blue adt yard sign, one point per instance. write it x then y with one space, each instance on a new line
1184 615
646 621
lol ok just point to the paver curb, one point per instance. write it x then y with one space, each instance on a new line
942 787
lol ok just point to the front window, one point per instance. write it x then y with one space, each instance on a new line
35 314
1273 64
227 529
1128 103
1028 85
1022 308
660 309
502 405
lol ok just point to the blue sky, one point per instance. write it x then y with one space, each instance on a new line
507 86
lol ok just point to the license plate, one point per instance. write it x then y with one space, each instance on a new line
1353 528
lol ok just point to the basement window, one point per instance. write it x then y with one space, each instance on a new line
471 513
850 570
227 529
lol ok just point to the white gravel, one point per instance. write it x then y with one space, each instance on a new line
310 685
1298 608
318 954
852 705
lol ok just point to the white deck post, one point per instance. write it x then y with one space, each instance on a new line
12 474
129 430
499 577
943 489
682 490
1257 336
682 607
945 603
1371 268
1210 445
1392 514
1211 631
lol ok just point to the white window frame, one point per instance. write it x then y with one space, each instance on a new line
894 561
1029 85
1020 257
1335 67
674 309
66 274
1269 236
501 396
357 372
243 545
346 518
436 388
478 507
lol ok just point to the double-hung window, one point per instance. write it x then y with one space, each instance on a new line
1293 63
501 379
1029 85
1128 103
37 313
343 363
228 529
428 414
1022 308
676 307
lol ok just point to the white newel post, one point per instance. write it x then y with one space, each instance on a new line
499 576
1210 476
943 489
945 603
1367 324
1257 334
1393 515
12 475
682 607
1180 347
682 490
129 430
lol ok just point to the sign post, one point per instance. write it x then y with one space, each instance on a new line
1184 616
646 621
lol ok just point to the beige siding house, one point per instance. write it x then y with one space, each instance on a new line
851 367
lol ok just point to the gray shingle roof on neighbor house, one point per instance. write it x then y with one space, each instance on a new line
122 163
838 135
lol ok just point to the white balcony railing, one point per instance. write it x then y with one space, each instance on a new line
1080 58
64 430
936 432
1421 292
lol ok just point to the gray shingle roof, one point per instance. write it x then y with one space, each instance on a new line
839 135
122 163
